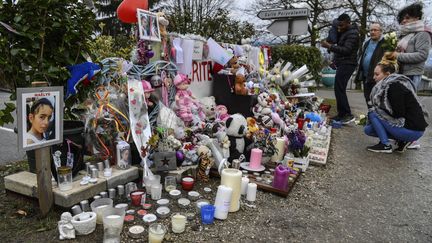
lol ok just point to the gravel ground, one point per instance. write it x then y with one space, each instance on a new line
358 196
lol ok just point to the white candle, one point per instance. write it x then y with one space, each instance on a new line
222 202
156 191
178 222
251 192
244 184
280 148
232 178
156 233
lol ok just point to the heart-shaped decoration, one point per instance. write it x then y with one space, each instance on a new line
133 102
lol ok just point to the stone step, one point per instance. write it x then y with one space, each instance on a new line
25 183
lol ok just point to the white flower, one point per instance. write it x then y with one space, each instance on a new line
394 41
362 116
393 34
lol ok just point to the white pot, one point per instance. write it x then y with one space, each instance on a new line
86 226
301 163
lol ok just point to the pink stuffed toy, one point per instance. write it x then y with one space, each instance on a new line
148 89
222 113
186 104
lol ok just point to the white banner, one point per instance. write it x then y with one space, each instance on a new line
202 82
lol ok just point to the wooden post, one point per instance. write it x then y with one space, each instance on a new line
43 173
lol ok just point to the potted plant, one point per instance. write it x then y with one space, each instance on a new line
299 148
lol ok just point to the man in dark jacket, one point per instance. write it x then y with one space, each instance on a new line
346 61
372 52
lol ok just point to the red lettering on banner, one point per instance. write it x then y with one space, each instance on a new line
204 69
194 71
201 71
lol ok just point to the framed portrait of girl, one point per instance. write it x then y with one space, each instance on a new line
40 117
148 25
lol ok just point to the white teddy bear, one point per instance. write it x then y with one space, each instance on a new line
209 107
263 108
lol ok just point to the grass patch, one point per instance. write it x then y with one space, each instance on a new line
333 109
19 216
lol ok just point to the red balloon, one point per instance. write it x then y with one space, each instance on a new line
127 10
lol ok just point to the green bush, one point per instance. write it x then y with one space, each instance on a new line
299 55
48 36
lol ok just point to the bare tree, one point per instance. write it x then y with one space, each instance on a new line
323 12
208 18
319 18
366 11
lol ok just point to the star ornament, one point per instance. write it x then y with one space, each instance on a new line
165 161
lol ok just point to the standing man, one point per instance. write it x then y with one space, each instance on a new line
345 51
372 54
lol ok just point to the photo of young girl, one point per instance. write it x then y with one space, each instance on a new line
124 162
40 120
40 116
148 26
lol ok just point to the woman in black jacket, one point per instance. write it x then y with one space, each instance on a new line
396 111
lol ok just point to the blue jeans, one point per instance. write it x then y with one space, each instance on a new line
415 81
383 130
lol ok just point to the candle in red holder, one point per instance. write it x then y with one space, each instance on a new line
136 197
300 122
188 183
141 212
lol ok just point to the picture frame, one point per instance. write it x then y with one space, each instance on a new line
39 117
148 25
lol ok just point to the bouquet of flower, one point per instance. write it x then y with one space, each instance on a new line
390 42
264 141
297 146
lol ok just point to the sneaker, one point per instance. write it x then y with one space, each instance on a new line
380 148
347 119
402 146
414 145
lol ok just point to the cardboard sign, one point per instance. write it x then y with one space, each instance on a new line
198 50
201 85
165 161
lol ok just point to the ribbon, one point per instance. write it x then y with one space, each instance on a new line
103 101
164 88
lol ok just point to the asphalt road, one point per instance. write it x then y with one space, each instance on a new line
8 139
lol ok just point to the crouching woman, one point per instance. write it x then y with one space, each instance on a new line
396 111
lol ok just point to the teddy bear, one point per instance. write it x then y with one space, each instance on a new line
205 163
252 126
224 143
209 107
163 24
240 83
236 128
263 107
233 65
221 113
190 156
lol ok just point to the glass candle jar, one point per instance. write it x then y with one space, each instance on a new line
178 223
170 183
156 233
64 176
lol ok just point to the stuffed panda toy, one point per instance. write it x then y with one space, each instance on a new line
236 128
